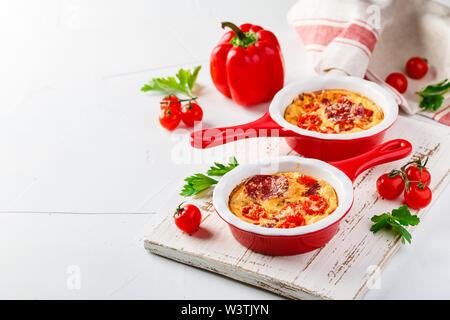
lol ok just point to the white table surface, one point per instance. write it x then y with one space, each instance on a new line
85 163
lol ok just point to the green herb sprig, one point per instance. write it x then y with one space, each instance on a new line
220 169
395 221
199 182
196 184
183 83
431 97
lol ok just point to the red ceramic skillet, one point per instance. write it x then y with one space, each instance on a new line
340 175
311 144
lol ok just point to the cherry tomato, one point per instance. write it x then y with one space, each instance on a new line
169 118
172 101
315 204
254 212
191 113
390 188
293 221
416 67
413 174
397 81
188 218
417 197
306 180
309 122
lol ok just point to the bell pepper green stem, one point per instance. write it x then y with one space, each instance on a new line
235 28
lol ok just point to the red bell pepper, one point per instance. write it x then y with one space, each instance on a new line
247 65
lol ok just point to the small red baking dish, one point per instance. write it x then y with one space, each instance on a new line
311 144
340 175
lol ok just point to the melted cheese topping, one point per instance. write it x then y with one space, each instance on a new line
276 210
333 111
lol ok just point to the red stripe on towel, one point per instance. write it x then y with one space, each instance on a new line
370 27
361 34
318 34
440 111
445 119
323 34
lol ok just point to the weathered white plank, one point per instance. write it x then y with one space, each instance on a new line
340 270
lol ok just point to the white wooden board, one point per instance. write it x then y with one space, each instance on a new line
346 267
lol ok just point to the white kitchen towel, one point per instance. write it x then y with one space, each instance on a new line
375 38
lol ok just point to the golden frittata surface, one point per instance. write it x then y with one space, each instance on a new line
306 199
333 111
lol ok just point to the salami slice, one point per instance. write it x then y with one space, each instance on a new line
262 187
357 111
345 111
314 189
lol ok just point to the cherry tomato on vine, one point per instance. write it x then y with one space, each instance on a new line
416 67
390 187
413 174
191 113
169 118
418 196
172 101
398 81
188 218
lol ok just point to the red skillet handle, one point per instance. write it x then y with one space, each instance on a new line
263 127
386 152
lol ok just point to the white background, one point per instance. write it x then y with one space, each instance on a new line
85 164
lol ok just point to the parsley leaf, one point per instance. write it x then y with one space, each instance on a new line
394 221
438 87
404 216
220 169
197 183
381 222
404 234
431 97
183 83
